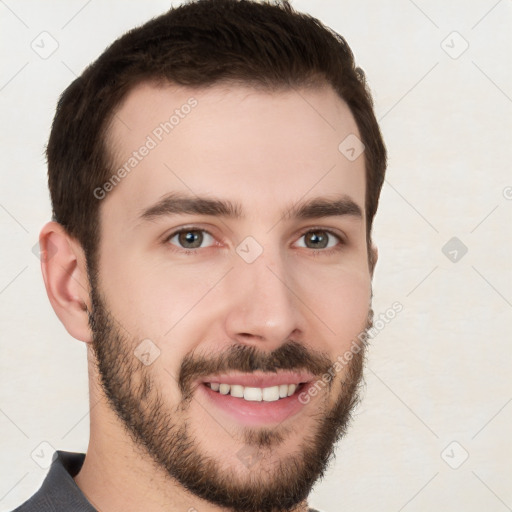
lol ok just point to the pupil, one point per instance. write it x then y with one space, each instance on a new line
191 239
316 239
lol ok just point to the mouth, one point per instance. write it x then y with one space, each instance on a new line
256 394
256 399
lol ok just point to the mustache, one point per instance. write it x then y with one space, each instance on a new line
248 359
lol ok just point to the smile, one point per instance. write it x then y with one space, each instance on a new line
256 398
253 394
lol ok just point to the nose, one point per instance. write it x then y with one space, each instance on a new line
264 308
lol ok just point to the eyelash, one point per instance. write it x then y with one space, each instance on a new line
313 252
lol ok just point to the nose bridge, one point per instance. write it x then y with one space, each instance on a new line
271 281
263 305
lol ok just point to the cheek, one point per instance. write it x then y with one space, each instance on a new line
341 301
149 299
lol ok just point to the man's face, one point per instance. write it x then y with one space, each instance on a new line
233 252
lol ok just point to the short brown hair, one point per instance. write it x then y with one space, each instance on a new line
198 44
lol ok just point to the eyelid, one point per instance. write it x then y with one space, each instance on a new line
335 233
176 231
186 227
332 232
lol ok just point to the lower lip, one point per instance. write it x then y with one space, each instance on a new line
254 413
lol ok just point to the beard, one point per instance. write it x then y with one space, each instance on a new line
165 432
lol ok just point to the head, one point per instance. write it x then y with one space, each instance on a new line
209 225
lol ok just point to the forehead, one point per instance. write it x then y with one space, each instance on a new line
261 149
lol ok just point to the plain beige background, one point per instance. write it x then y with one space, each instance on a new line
432 432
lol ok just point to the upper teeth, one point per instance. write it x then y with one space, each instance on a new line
270 394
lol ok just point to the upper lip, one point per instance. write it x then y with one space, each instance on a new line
260 380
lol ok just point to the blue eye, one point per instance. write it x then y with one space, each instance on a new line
319 239
191 239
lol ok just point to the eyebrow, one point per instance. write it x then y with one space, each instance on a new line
323 207
175 204
181 204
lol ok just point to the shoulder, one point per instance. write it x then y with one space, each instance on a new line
59 492
37 503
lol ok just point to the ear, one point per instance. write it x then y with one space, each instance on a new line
64 269
374 256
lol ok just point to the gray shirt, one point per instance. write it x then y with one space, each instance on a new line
59 492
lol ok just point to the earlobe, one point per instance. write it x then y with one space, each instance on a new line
64 271
374 256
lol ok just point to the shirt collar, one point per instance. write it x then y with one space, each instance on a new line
59 492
